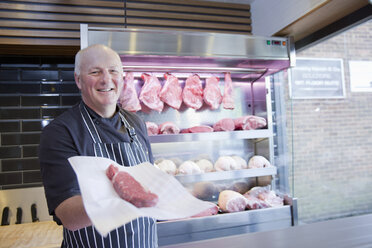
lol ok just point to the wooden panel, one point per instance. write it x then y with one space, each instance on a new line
31 23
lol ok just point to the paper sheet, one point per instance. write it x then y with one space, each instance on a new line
108 211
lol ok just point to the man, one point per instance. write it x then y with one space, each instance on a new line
94 127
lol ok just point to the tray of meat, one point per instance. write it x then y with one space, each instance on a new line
114 195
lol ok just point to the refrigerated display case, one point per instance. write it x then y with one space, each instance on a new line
256 66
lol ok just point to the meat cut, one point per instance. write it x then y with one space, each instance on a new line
212 94
200 129
228 93
171 93
168 166
129 189
192 93
152 128
168 128
189 168
128 98
258 161
249 122
225 163
230 201
213 210
262 197
226 124
150 92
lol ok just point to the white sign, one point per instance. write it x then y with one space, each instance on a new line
317 78
360 76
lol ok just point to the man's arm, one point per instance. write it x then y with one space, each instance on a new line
72 213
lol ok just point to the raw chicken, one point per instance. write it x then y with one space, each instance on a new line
249 122
200 129
241 163
258 162
189 168
226 124
212 95
168 166
171 93
205 165
129 189
225 163
230 201
168 128
262 197
192 93
228 98
128 98
152 128
150 93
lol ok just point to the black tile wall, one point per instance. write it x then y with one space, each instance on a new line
9 165
9 126
33 91
30 151
10 152
6 101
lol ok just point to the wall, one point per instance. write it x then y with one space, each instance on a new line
32 92
332 139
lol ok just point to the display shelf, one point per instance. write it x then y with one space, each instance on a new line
187 137
226 175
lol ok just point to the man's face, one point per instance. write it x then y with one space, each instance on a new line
100 79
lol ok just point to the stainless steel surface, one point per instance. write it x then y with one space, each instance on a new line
340 233
227 175
25 198
189 230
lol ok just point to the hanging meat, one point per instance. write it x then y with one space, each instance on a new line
129 189
128 98
171 93
192 93
150 92
212 94
249 122
228 97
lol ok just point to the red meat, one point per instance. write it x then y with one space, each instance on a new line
129 189
129 98
200 129
192 93
150 93
171 93
168 128
228 98
249 122
152 128
212 94
226 124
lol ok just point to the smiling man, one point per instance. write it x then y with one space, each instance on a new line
94 127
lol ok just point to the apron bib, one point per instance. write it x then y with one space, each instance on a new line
141 232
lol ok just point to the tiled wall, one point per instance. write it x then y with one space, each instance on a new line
33 91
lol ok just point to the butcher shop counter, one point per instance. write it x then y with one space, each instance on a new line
340 233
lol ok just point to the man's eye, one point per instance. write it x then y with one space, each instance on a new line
94 72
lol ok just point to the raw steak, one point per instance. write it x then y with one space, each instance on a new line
228 97
128 98
171 93
168 128
230 201
192 93
249 122
150 92
212 95
200 129
129 189
152 128
226 124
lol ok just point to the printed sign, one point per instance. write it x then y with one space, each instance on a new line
360 76
317 78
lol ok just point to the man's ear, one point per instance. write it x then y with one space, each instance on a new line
77 80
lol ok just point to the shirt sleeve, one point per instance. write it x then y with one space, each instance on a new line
59 179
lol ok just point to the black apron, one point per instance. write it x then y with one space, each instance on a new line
140 232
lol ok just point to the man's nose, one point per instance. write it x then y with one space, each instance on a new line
106 76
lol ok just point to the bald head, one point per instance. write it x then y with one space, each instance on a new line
84 55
